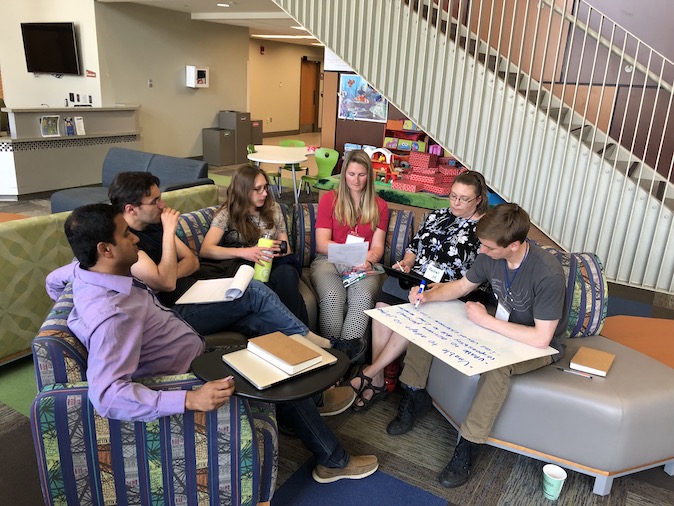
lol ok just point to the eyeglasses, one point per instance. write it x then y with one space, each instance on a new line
153 202
261 189
463 200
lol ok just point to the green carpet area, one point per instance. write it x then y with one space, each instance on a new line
17 385
220 180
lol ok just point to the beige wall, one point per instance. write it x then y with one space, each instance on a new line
274 83
139 43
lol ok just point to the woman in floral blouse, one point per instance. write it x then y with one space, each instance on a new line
442 250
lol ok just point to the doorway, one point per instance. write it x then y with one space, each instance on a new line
309 95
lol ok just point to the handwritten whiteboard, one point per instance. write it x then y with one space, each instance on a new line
442 329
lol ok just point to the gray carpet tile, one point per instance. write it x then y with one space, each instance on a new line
500 477
9 419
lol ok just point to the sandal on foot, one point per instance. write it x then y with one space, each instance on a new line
365 385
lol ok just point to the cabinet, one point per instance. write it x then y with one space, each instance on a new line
218 146
31 163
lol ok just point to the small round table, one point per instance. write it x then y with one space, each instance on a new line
210 366
283 155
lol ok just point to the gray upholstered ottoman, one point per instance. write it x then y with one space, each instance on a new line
603 427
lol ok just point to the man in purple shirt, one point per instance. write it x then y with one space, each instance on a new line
129 334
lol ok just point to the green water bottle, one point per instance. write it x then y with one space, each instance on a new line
263 271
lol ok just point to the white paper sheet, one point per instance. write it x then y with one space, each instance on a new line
354 253
205 291
444 330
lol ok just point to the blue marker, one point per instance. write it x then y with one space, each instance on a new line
422 287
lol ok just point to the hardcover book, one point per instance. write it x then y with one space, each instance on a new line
592 361
263 374
286 353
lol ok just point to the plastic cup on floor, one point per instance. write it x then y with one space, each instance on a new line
553 480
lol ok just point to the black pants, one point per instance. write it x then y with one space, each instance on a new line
285 281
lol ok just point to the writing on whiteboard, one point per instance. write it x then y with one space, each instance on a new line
441 336
444 330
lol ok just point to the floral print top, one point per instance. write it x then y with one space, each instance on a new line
450 243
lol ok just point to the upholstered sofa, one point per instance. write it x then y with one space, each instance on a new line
173 173
301 225
30 249
228 456
603 427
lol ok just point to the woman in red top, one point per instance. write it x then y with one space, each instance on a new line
351 213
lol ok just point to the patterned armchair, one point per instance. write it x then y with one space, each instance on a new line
228 456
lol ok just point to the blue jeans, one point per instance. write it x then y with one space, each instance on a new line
258 311
303 416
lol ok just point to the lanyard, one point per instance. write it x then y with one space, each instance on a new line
509 282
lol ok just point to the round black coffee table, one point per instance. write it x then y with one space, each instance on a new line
209 367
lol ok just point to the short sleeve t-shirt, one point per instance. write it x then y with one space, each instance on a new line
150 241
326 219
231 237
537 290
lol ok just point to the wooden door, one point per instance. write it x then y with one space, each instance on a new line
309 89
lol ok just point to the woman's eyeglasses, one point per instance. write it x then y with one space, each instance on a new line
463 200
261 189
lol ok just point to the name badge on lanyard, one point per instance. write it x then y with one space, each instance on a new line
502 313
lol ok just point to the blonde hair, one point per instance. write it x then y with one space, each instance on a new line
345 211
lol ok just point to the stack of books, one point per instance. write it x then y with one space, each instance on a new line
284 352
276 357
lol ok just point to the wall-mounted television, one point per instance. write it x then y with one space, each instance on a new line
51 48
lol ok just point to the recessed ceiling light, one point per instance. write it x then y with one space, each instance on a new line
222 5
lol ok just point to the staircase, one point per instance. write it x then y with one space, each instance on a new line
562 110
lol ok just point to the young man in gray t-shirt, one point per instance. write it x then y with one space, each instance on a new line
530 289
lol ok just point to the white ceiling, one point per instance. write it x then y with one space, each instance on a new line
262 17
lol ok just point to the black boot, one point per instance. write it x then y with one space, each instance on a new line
413 403
457 472
354 348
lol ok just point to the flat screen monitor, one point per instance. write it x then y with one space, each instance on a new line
51 48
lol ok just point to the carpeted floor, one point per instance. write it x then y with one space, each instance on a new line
19 483
501 477
380 488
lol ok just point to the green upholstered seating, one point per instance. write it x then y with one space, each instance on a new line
33 247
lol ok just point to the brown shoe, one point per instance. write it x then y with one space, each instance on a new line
337 400
359 466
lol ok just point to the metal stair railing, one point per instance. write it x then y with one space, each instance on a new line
562 110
